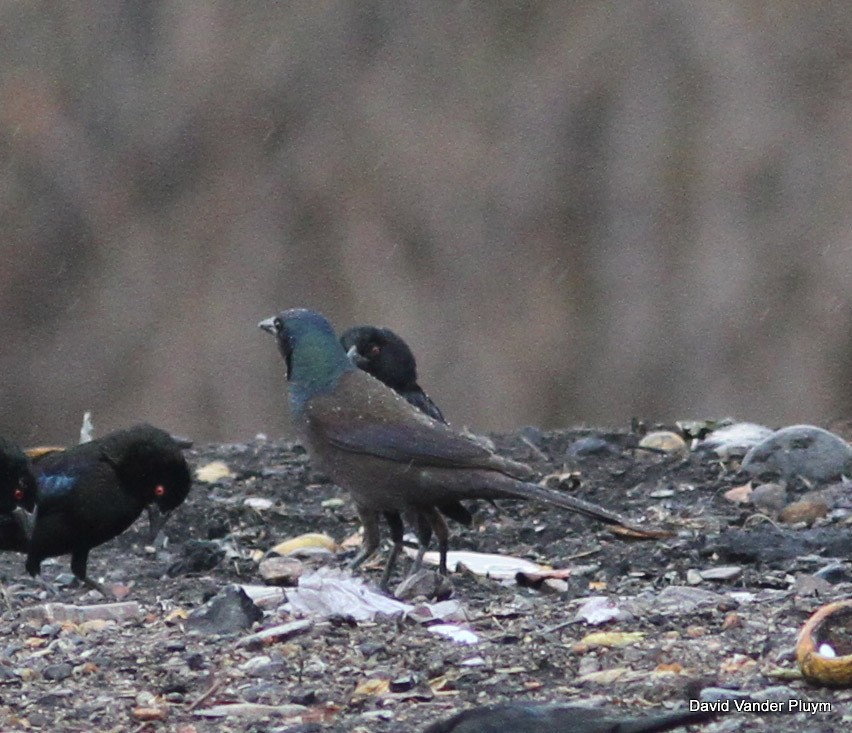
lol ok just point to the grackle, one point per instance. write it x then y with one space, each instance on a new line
17 496
560 718
384 355
385 452
92 492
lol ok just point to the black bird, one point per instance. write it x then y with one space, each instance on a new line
384 355
560 718
92 492
385 452
17 494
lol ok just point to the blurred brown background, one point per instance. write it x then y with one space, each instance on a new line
573 211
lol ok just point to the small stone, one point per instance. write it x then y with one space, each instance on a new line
280 570
591 445
665 441
834 573
800 450
228 612
275 634
424 583
727 572
258 503
732 621
403 684
740 494
145 698
693 577
57 672
150 713
199 556
806 512
259 666
769 498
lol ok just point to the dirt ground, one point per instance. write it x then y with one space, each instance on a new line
393 674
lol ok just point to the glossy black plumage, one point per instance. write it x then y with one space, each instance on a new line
383 354
386 453
17 493
386 356
560 718
92 492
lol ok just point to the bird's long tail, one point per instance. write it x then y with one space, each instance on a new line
525 490
659 723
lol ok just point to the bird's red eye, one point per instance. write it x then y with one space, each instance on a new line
19 494
160 491
374 351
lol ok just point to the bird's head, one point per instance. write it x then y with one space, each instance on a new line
17 483
150 462
380 352
314 357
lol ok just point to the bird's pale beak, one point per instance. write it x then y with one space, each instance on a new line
25 520
355 357
268 324
157 519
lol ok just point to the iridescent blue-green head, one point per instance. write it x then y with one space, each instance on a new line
314 357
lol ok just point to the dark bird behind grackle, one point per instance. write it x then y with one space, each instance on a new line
17 494
559 718
384 355
92 492
386 453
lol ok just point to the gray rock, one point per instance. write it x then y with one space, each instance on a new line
228 612
57 672
800 450
769 498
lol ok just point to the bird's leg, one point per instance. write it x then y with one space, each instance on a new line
79 561
423 529
397 531
371 537
442 533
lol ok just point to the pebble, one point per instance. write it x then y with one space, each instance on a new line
257 666
800 450
590 446
280 570
199 556
57 672
769 498
665 441
834 573
275 634
150 713
804 512
424 583
727 572
228 612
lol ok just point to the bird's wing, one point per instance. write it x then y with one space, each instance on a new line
364 416
59 474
